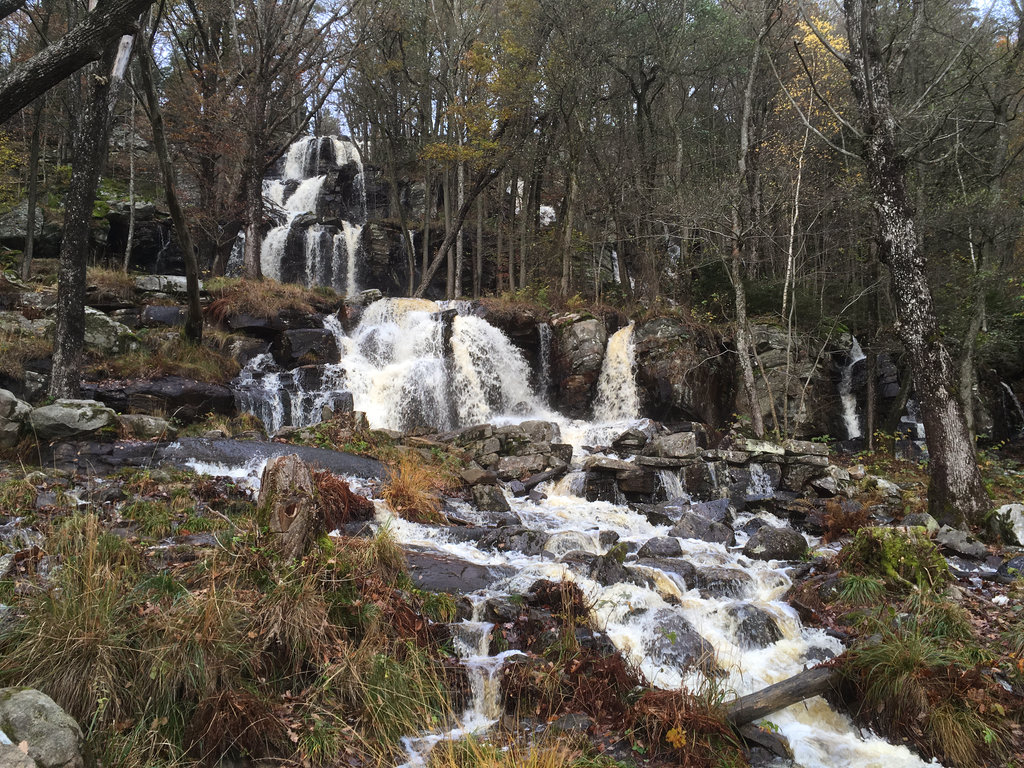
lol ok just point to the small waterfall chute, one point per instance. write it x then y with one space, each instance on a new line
617 396
848 398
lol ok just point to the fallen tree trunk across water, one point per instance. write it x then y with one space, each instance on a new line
804 685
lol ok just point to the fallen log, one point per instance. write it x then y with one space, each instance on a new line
534 480
804 685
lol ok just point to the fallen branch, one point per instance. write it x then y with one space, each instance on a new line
804 685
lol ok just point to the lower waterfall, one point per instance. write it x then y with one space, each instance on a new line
617 396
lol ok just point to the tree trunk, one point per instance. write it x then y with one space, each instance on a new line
252 184
194 316
478 256
740 227
90 147
955 494
570 206
33 192
130 141
86 43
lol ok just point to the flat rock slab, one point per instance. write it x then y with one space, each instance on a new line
441 573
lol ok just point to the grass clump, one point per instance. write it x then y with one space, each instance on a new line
413 490
173 355
16 496
265 299
110 284
233 656
919 671
17 349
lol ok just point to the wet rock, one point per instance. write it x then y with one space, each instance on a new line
715 581
515 538
771 543
536 431
478 476
573 723
70 418
676 643
54 738
1011 570
608 538
13 415
244 348
693 526
579 353
443 573
489 498
143 427
661 546
501 610
961 542
825 486
517 467
590 640
160 316
681 445
682 374
188 400
536 496
755 627
305 346
608 569
923 520
684 569
631 441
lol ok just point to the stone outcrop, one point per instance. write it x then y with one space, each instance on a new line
184 399
517 451
13 415
683 374
578 354
52 737
71 419
796 385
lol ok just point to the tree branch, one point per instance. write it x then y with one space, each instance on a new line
82 45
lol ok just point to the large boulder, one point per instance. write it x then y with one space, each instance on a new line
70 418
303 346
53 738
14 225
103 334
579 354
13 414
771 543
682 373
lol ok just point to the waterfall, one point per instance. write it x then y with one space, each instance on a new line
760 485
617 398
615 268
490 375
1016 403
298 249
846 394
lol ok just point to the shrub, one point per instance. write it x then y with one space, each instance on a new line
265 299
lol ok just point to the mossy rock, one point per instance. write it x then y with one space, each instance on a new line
902 558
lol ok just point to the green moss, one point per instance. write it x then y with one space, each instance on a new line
900 559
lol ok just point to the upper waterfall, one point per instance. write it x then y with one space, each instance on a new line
307 191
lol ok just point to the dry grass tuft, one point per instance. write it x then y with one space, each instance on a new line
110 284
412 490
169 356
547 751
17 349
842 519
265 299
338 504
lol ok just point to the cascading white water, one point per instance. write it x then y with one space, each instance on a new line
490 376
846 394
617 397
1016 403
336 264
